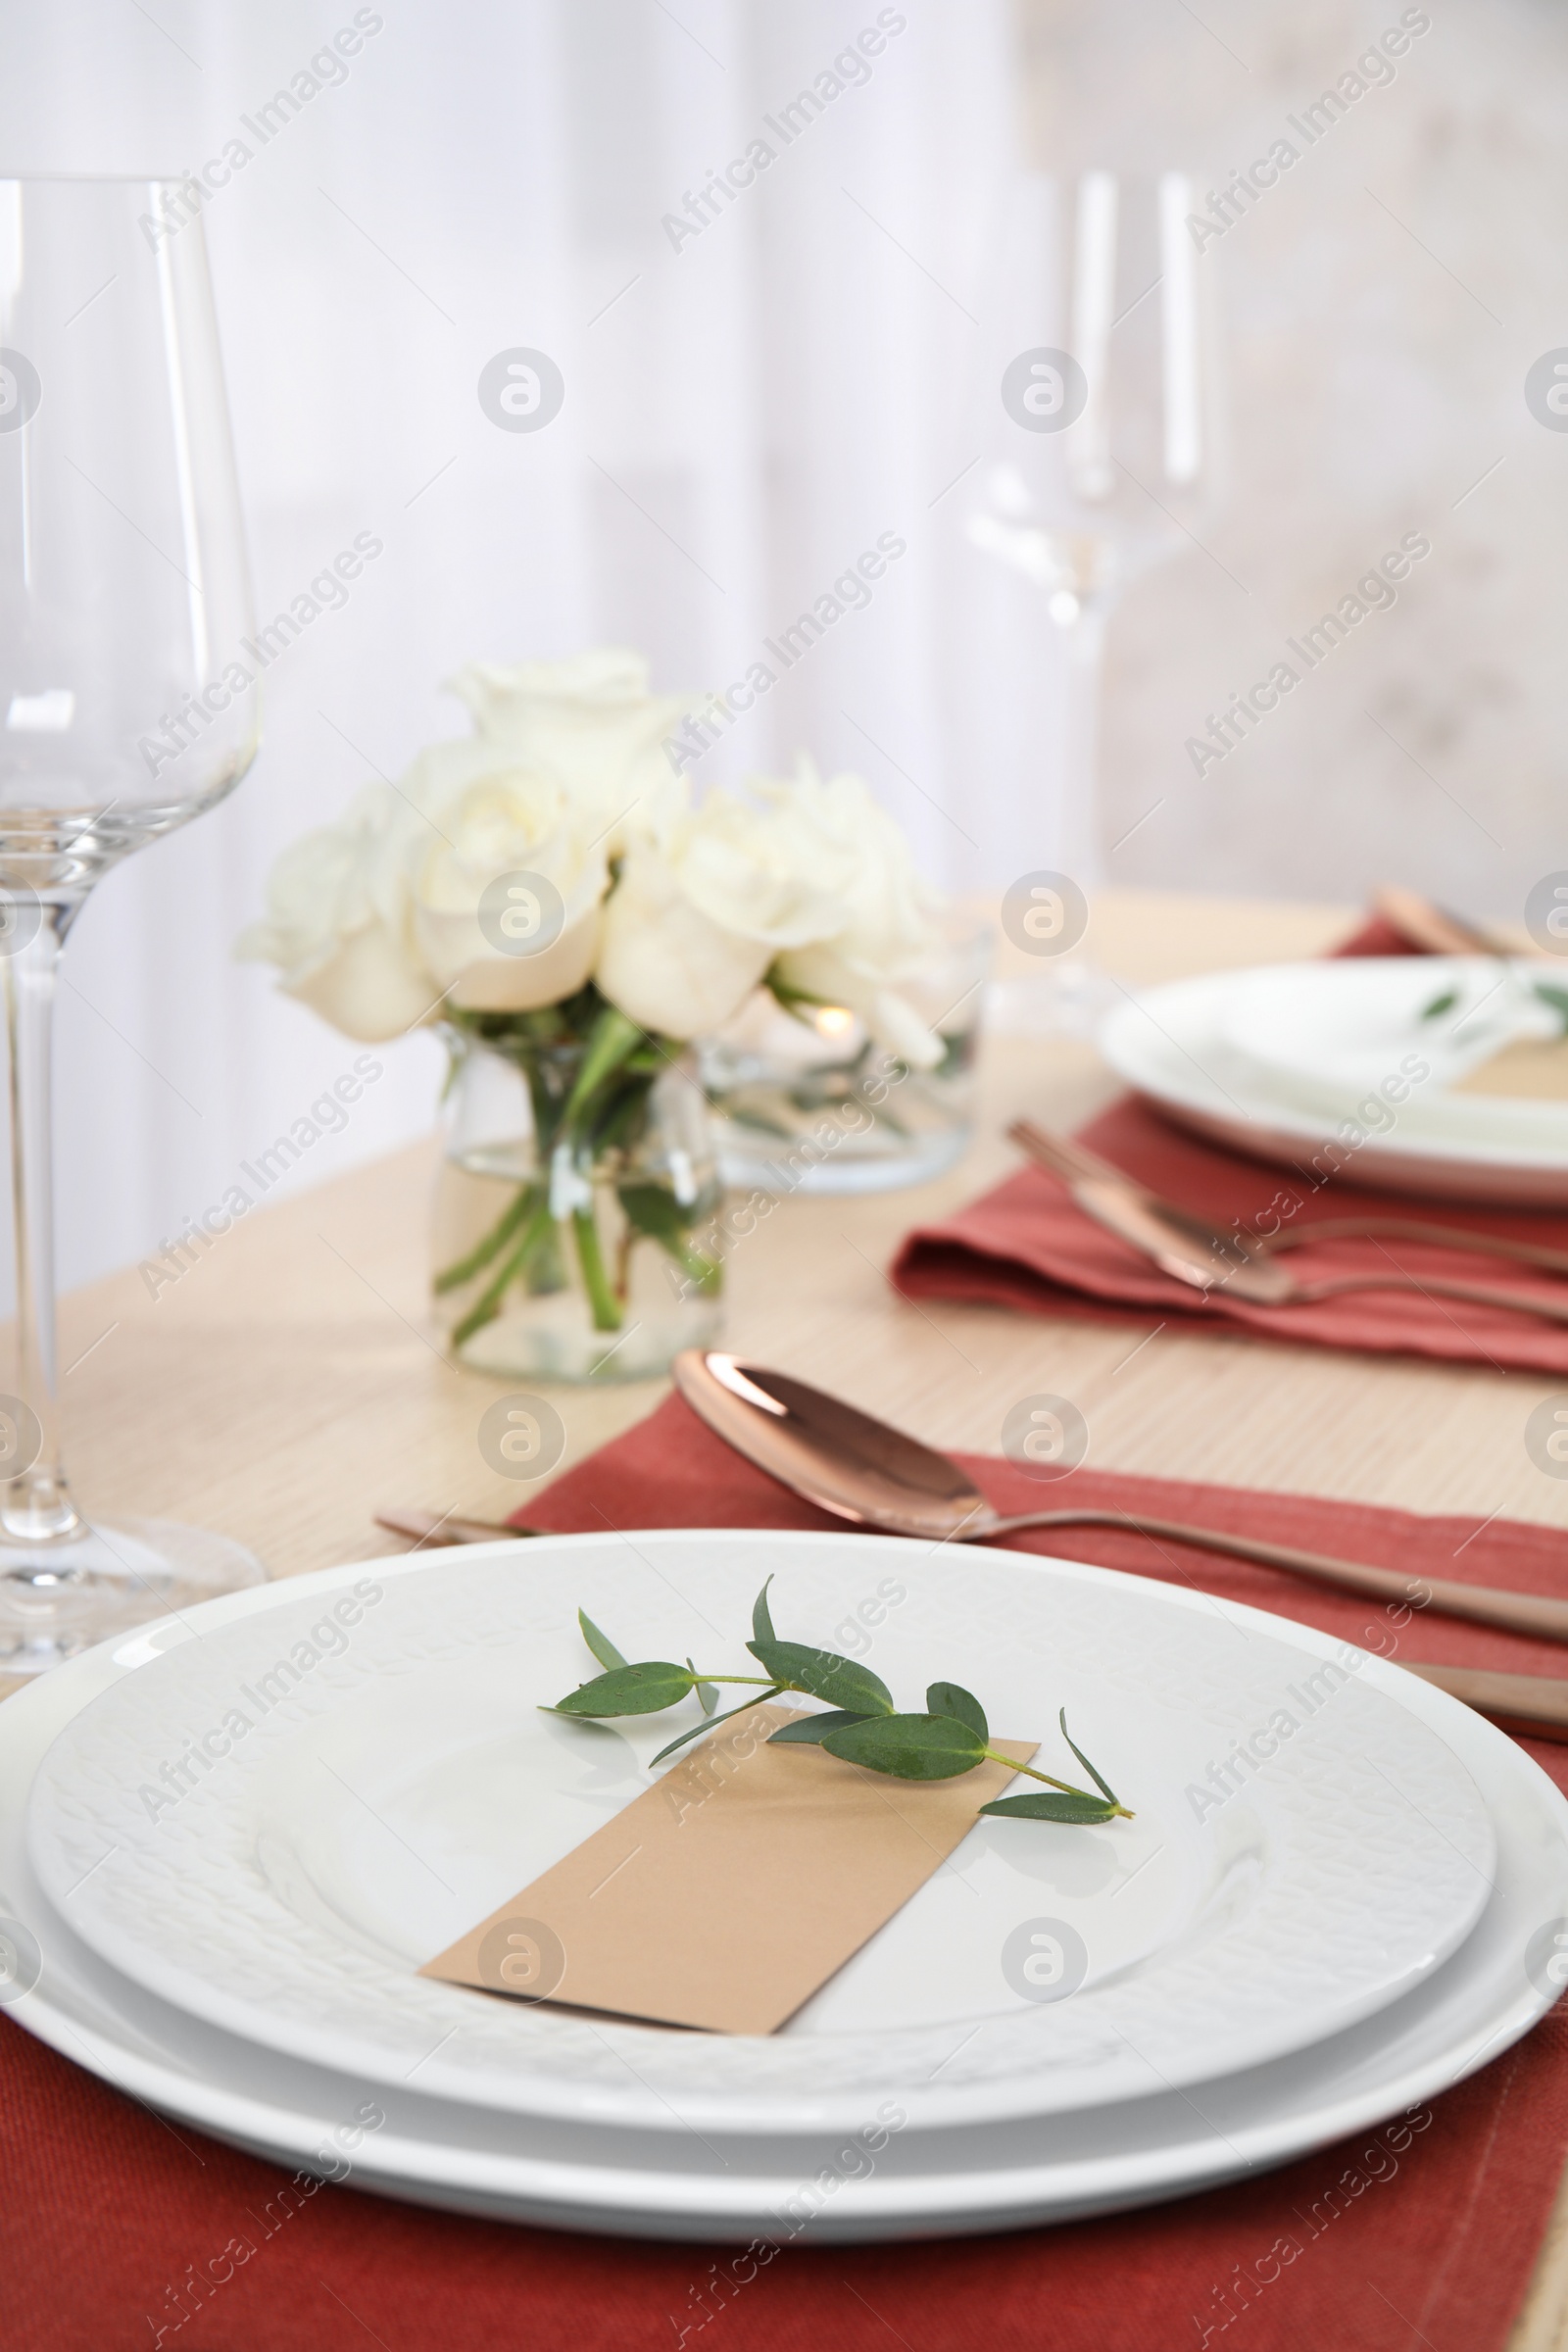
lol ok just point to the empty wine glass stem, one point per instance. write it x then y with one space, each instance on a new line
36 1508
1077 827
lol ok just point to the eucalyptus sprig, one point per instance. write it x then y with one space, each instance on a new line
861 1726
1546 991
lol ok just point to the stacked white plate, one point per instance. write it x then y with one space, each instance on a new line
228 1845
1364 1054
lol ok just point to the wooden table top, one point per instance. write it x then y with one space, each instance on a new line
291 1382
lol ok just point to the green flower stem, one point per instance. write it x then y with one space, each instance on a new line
487 1305
612 1039
1067 1786
607 1307
762 1681
454 1277
544 1105
705 1274
590 1074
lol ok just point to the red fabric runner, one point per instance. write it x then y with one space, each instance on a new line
1025 1245
109 2216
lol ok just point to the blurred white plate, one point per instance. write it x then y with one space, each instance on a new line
1333 1034
1287 1060
676 2184
405 1787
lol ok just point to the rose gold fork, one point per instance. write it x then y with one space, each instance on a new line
1197 1253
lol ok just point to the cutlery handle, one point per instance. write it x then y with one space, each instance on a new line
1437 929
1531 1704
1533 1613
426 1530
1476 1294
1074 1165
1412 1229
1065 1156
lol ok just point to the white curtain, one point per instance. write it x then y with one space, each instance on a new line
750 405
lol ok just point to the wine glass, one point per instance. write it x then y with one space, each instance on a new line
129 704
1099 456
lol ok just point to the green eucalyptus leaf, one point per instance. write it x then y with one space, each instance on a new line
911 1747
601 1644
951 1698
812 1730
698 1729
859 1727
824 1674
1046 1806
1441 1004
1557 998
762 1622
1103 1786
645 1689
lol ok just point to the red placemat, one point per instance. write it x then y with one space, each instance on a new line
1026 1244
114 2224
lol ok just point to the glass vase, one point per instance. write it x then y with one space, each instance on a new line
807 1101
575 1227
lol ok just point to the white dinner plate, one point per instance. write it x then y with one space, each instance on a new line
1290 1060
674 2184
402 1784
1335 1034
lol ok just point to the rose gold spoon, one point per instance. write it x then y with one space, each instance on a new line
861 1469
1534 1704
1515 1610
1200 1254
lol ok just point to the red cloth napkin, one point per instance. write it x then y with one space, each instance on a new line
1026 1244
1379 936
109 2216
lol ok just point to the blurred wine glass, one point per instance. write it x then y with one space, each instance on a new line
129 704
1100 458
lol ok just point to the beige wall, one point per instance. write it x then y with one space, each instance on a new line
1382 306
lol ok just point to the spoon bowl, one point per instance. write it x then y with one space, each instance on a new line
845 1461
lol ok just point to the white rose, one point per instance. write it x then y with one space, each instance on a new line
837 830
489 817
829 978
667 966
699 912
592 724
886 921
744 867
337 922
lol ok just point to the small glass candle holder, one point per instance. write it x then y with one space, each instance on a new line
810 1102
